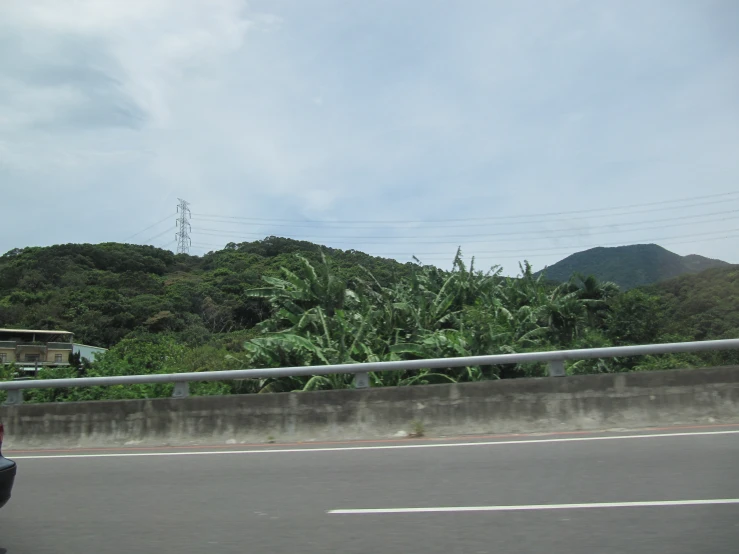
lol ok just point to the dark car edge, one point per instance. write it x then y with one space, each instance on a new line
7 472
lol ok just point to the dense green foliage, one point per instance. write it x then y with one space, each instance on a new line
282 303
629 266
702 306
103 293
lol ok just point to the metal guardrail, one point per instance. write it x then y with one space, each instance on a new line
361 371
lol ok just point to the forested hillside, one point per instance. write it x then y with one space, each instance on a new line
104 292
701 306
279 302
630 266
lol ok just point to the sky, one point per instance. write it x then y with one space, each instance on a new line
515 130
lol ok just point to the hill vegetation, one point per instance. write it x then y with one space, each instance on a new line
279 302
630 266
102 293
702 306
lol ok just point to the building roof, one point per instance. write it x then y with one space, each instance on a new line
89 346
38 331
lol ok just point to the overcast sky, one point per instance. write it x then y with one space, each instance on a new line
452 120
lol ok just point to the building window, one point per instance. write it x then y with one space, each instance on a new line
32 357
3 358
57 358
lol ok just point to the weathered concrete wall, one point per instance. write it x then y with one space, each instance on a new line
626 400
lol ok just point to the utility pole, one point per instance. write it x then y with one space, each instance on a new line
183 224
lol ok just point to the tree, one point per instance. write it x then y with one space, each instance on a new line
634 318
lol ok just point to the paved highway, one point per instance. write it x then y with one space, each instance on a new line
670 491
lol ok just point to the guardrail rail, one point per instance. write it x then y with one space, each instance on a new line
555 360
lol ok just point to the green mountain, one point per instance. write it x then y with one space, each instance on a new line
701 306
103 292
629 266
260 305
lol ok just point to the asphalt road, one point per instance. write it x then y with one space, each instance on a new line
284 498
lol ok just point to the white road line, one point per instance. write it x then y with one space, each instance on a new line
537 507
368 448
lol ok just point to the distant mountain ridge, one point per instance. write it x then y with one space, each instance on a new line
629 266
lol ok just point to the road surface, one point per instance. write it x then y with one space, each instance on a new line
662 491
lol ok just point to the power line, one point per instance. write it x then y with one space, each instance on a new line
548 250
168 245
549 234
581 248
327 224
663 205
183 223
149 227
149 241
519 256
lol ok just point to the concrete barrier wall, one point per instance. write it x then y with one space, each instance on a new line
627 400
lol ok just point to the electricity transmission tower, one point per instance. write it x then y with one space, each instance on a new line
183 224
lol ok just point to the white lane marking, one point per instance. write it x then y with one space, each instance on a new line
366 448
535 507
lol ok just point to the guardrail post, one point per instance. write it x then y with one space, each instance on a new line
15 397
361 380
556 368
181 389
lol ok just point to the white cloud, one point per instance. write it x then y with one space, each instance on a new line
152 48
374 111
